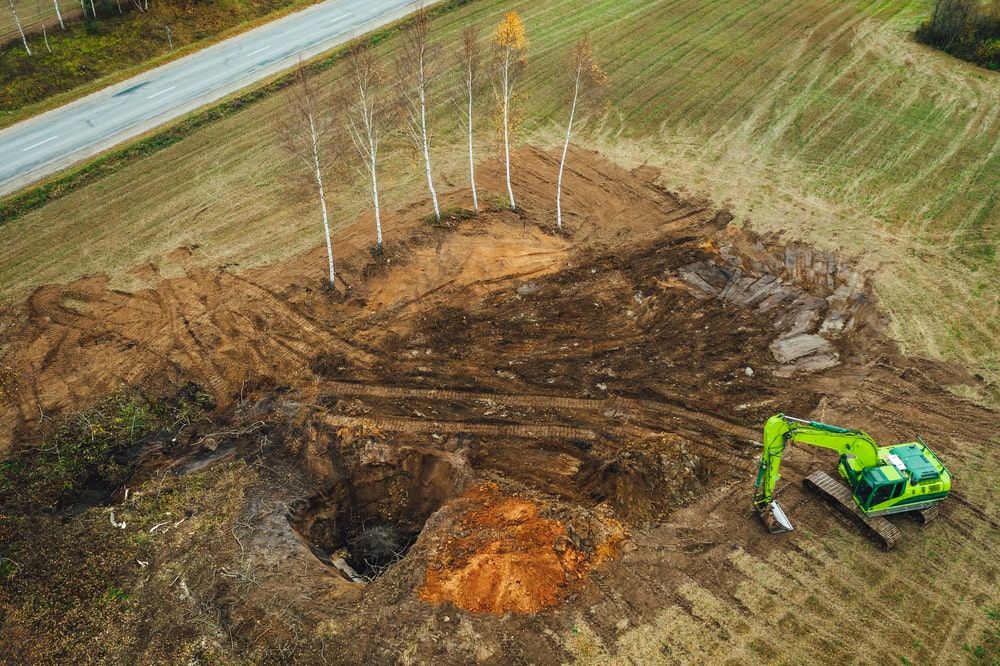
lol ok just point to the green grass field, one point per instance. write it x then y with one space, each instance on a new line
819 119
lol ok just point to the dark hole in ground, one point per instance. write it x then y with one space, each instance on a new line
370 516
374 548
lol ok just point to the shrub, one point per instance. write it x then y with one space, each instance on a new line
966 29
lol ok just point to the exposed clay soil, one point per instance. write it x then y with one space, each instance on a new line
534 422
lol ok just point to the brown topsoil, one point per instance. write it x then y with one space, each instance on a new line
535 422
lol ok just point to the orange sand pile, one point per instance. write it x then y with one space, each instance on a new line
506 557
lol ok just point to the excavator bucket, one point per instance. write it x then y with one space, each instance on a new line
774 518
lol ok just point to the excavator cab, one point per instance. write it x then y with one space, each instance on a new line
878 485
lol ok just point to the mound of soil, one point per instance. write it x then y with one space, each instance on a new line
506 557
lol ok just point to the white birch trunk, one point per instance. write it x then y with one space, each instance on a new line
17 22
506 128
472 162
45 37
59 14
369 110
93 9
378 216
562 162
372 165
83 8
427 147
314 136
364 135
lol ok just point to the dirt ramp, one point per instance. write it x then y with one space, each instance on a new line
603 203
466 264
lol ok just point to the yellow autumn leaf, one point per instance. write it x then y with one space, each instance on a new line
510 33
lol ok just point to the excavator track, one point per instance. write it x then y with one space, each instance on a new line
878 529
926 515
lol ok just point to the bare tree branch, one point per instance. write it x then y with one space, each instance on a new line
366 115
416 69
305 132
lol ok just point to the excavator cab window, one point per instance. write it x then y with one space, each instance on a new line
878 485
881 494
862 492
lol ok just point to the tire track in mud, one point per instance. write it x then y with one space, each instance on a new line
307 324
688 214
589 405
48 304
185 341
427 426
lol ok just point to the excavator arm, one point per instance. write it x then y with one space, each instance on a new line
779 432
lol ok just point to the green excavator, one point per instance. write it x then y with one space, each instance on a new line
883 480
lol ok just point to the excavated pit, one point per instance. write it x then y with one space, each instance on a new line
373 507
633 405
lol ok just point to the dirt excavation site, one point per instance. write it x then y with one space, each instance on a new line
496 443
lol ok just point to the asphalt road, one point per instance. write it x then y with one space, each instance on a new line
39 146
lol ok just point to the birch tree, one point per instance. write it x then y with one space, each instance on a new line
510 45
305 131
587 78
45 31
417 67
59 14
470 55
364 118
17 22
